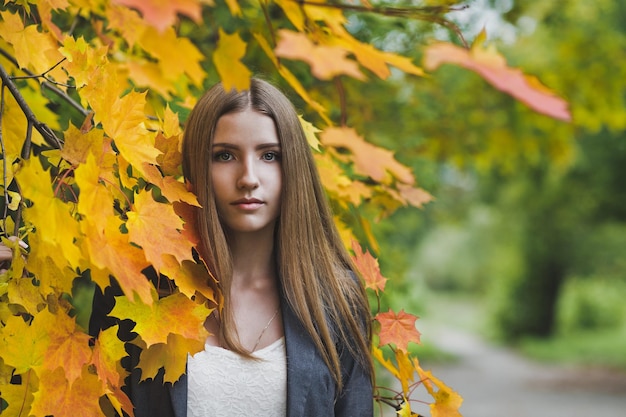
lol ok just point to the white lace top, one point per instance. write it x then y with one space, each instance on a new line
222 383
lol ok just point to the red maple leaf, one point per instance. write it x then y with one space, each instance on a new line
398 329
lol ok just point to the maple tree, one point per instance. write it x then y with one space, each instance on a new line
94 95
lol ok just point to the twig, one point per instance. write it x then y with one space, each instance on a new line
42 128
426 13
47 84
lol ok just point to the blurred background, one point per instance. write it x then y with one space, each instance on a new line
518 268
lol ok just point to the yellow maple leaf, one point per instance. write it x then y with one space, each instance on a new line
227 59
50 215
190 277
77 145
23 346
171 355
325 61
95 200
447 402
170 187
108 350
18 396
175 55
54 273
124 122
174 314
22 291
33 49
128 22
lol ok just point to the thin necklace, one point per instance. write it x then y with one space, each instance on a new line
264 329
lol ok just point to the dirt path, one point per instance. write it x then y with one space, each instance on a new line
496 382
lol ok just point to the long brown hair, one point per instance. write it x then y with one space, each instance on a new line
314 268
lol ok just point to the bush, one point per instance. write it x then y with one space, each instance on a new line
591 303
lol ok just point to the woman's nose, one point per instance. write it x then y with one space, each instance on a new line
248 178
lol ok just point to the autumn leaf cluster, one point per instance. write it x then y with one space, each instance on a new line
96 191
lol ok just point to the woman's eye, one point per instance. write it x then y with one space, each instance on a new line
223 156
271 156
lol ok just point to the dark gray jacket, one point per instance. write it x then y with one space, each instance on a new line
311 390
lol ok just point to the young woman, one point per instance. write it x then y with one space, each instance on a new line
292 336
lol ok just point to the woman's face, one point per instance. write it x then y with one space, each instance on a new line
246 171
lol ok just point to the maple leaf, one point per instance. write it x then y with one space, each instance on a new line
174 314
33 49
398 329
171 158
60 226
227 59
68 346
171 355
22 346
95 201
170 187
447 402
492 66
77 145
22 291
326 62
310 131
112 251
292 79
57 397
176 55
369 160
162 14
368 267
190 277
18 396
108 350
148 216
124 123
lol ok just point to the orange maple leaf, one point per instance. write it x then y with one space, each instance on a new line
162 14
369 160
112 251
171 158
68 347
398 329
492 66
227 59
175 314
148 216
368 267
325 61
56 397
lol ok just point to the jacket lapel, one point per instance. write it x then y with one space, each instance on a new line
300 362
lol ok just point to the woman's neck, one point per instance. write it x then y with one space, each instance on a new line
253 258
